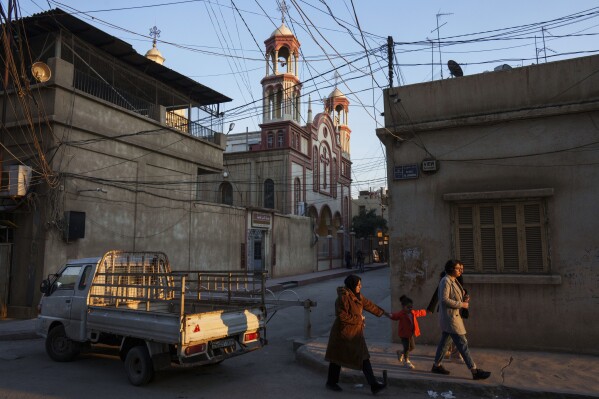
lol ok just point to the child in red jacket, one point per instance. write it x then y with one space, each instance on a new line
407 328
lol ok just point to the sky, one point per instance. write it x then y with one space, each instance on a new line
220 43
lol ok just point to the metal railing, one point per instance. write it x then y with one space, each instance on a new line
103 90
183 124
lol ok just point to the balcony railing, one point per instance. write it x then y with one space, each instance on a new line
121 98
183 124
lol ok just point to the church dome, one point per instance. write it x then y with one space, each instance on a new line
282 30
155 55
336 94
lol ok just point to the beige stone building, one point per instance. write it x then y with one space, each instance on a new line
500 170
103 149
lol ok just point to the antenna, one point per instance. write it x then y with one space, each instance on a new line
544 49
440 14
454 69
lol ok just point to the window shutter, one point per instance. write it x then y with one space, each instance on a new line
487 239
466 237
502 237
509 233
534 239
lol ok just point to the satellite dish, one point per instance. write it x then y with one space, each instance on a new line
454 69
41 72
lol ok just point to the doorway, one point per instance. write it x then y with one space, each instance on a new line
256 244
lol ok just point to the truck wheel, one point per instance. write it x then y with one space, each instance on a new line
59 347
138 364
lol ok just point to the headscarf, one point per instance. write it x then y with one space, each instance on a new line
351 282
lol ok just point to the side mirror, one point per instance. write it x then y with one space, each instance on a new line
45 287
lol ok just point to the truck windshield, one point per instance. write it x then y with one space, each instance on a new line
68 278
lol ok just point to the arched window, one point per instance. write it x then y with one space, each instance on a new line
269 194
226 193
297 108
334 178
339 115
269 140
315 173
284 60
280 139
325 165
270 104
279 103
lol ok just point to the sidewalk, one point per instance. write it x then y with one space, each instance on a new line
525 374
279 284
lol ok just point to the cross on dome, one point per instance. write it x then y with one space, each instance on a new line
284 9
155 33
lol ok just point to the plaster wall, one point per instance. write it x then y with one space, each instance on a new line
537 139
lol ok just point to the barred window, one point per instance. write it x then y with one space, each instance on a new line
502 237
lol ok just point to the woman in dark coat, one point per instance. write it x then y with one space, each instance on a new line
347 346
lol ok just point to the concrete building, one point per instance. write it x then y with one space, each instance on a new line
500 170
295 164
102 149
370 200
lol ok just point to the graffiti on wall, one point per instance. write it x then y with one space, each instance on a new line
581 278
415 269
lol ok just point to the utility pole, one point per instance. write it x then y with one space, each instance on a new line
390 57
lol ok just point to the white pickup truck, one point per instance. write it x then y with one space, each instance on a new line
156 317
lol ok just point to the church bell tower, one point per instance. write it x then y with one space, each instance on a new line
281 87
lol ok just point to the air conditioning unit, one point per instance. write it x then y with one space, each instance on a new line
19 177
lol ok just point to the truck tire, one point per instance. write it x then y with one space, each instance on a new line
59 347
138 365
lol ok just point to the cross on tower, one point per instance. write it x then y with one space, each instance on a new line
336 76
283 8
154 33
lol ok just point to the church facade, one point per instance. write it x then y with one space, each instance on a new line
294 165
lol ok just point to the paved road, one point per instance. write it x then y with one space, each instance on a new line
26 372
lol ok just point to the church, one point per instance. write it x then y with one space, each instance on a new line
295 164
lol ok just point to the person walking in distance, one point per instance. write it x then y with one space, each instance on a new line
452 298
360 260
347 346
407 328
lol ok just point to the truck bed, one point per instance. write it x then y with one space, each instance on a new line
141 297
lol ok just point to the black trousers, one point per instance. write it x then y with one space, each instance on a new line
335 371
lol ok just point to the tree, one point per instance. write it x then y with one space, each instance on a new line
366 223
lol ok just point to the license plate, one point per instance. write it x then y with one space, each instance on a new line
223 343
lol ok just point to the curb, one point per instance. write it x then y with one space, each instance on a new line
304 357
315 279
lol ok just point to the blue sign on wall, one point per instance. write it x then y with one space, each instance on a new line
404 172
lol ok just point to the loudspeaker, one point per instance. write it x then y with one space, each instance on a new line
74 225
